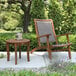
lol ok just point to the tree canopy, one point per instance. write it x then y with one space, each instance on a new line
20 13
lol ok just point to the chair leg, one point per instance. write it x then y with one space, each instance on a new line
48 47
69 52
33 50
49 53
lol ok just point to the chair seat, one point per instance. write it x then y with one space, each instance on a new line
61 45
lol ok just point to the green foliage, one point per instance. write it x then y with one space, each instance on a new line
10 16
11 24
3 38
37 11
2 55
63 68
72 38
55 14
71 71
69 15
6 36
62 13
32 38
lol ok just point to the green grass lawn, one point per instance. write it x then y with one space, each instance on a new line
62 69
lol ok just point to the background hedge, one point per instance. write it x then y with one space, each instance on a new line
32 37
63 13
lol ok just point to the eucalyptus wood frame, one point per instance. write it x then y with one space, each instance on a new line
49 47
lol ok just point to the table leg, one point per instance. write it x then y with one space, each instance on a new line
28 47
20 51
15 54
8 54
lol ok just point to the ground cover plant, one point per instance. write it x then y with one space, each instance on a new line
2 55
62 69
65 68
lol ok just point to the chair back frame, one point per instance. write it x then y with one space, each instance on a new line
36 29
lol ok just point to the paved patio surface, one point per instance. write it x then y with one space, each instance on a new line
37 60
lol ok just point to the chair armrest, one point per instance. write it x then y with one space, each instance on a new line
44 35
63 34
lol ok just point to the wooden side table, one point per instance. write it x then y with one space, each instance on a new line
17 43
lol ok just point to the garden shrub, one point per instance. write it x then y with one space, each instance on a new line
37 11
32 38
11 24
3 38
72 38
6 36
10 17
63 15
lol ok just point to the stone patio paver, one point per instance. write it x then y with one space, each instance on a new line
37 60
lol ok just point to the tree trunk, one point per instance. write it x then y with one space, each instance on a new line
26 21
26 17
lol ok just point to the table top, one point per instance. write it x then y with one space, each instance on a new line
18 41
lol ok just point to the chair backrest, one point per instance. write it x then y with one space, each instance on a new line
45 26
